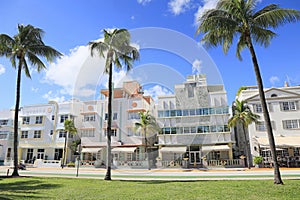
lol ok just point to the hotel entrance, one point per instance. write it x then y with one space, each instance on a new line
195 155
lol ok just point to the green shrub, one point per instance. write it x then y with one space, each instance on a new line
258 160
71 164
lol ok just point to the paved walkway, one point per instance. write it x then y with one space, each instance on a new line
160 174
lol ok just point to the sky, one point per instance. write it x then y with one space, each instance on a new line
163 31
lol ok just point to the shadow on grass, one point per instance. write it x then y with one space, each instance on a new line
23 187
155 182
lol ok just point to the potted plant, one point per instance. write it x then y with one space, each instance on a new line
258 161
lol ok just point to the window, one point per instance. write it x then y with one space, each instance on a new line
24 134
38 119
290 124
191 89
134 115
37 134
115 116
8 154
3 122
288 105
260 126
53 117
40 153
51 132
58 154
63 118
257 108
89 118
88 133
26 120
113 132
129 156
62 134
3 136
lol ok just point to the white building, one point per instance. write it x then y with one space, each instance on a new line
194 125
284 109
42 135
127 145
6 137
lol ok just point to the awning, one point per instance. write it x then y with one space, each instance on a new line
282 141
90 150
173 149
124 149
216 148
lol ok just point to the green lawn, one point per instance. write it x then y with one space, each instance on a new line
72 188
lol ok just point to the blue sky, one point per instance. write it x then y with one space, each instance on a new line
69 25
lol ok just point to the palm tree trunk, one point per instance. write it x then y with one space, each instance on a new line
109 110
277 176
16 120
146 149
65 151
247 149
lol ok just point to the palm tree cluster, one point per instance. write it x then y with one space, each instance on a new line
238 19
219 26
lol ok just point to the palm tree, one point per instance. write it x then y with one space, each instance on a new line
26 46
233 18
69 128
147 124
116 45
242 115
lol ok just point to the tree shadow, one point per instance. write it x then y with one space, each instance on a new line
155 182
23 187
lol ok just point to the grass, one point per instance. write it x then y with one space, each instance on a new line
72 188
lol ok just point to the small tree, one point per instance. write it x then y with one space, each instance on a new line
147 124
69 128
242 115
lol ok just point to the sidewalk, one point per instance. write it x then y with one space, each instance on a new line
160 174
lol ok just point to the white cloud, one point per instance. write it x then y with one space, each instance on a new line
155 91
143 2
179 6
207 4
197 66
77 73
273 80
2 69
132 17
54 97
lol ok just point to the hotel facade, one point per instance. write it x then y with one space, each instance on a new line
284 110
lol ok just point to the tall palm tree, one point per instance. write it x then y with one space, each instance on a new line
69 128
233 18
26 46
147 124
118 52
242 115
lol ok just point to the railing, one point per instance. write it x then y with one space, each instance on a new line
140 164
171 163
225 163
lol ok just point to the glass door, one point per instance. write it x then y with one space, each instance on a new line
195 157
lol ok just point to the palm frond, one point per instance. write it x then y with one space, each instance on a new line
25 67
272 16
35 61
